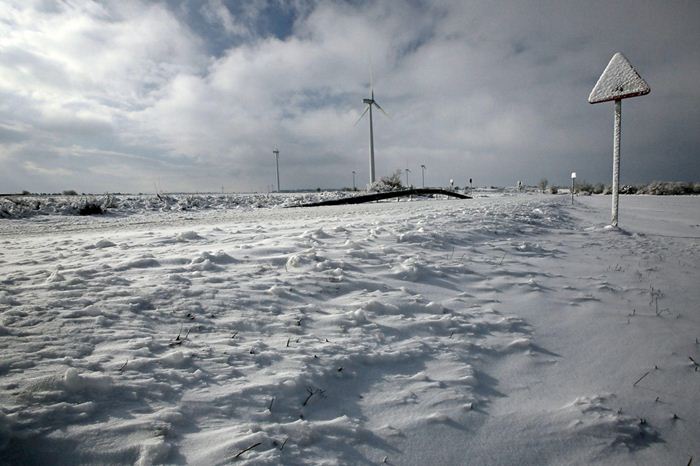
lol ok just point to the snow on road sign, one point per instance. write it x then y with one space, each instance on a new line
619 81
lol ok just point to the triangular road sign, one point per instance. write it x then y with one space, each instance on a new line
619 81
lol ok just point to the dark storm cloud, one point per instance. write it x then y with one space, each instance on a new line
196 94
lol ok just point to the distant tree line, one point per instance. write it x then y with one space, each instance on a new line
657 188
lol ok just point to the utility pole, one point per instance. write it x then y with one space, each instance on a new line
277 161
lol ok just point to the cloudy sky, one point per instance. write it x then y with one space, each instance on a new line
193 95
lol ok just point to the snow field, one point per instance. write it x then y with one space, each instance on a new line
496 331
26 206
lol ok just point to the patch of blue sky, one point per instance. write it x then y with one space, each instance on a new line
253 22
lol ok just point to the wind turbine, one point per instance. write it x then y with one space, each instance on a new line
370 102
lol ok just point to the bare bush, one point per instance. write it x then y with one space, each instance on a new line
90 207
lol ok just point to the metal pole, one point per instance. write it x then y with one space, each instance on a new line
277 161
616 160
371 147
572 190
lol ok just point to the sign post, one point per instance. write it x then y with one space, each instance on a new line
573 180
618 81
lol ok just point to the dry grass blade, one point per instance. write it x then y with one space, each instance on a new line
247 449
640 379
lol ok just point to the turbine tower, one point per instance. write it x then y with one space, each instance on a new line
370 102
276 153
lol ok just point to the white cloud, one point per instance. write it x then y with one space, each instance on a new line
494 92
44 171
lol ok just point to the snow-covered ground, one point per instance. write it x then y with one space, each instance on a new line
25 206
121 205
500 330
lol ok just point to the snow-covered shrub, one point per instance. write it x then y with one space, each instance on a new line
191 202
109 202
18 207
657 188
667 188
388 183
90 207
584 186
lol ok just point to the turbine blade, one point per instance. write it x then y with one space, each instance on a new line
363 114
380 108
